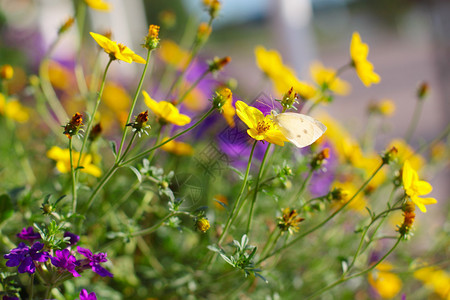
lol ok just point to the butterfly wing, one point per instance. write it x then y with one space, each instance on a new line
299 129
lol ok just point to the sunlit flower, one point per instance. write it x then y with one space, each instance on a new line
415 187
326 78
436 280
364 68
62 158
260 127
177 148
283 77
117 50
13 110
166 111
98 5
173 54
385 283
223 101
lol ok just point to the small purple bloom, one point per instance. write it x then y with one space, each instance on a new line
85 296
28 234
6 297
65 260
24 257
73 238
93 261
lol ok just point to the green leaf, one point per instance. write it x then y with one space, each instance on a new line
6 207
113 147
136 172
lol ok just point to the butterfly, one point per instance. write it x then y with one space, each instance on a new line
299 129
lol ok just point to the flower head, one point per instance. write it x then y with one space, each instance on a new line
213 7
152 38
117 50
173 54
140 123
73 127
415 187
385 283
260 127
364 68
177 148
62 158
327 79
29 234
408 219
85 296
289 221
435 279
98 5
24 257
93 261
218 64
66 261
202 224
166 111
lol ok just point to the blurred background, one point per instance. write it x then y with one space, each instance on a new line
409 43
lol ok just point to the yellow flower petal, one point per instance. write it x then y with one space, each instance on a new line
166 111
98 5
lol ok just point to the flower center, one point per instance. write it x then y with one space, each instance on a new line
122 47
263 126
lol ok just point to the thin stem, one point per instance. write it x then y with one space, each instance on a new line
158 137
255 194
100 185
146 152
128 147
91 121
414 121
159 224
304 184
192 87
441 136
344 279
238 200
72 174
133 103
363 186
31 286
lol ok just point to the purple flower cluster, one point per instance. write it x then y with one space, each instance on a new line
24 257
85 296
65 260
28 234
93 261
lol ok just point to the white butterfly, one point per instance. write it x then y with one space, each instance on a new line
299 129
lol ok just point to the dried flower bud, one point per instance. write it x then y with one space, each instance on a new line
152 38
95 132
320 158
289 99
389 155
64 27
423 90
6 72
222 96
409 216
203 224
218 64
73 127
289 221
140 123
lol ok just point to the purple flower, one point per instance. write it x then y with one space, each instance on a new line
6 297
73 238
28 234
65 260
24 257
85 296
93 261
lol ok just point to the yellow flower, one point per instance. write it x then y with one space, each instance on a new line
115 50
203 224
415 187
166 111
364 68
260 127
223 101
177 148
172 54
326 78
435 279
405 152
386 283
14 110
62 158
98 5
348 189
283 77
6 72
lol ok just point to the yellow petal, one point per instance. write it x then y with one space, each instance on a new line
423 187
407 175
108 45
152 104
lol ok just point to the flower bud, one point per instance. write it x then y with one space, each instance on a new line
289 99
320 158
95 132
140 123
73 127
66 26
289 221
423 90
218 64
152 38
222 96
203 32
389 155
6 72
213 7
203 224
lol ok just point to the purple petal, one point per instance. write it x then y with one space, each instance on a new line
73 238
27 265
101 271
86 252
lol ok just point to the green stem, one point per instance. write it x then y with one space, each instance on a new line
128 146
238 200
271 243
159 224
146 152
363 186
255 194
344 279
72 175
31 286
440 137
100 185
414 121
133 104
91 120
